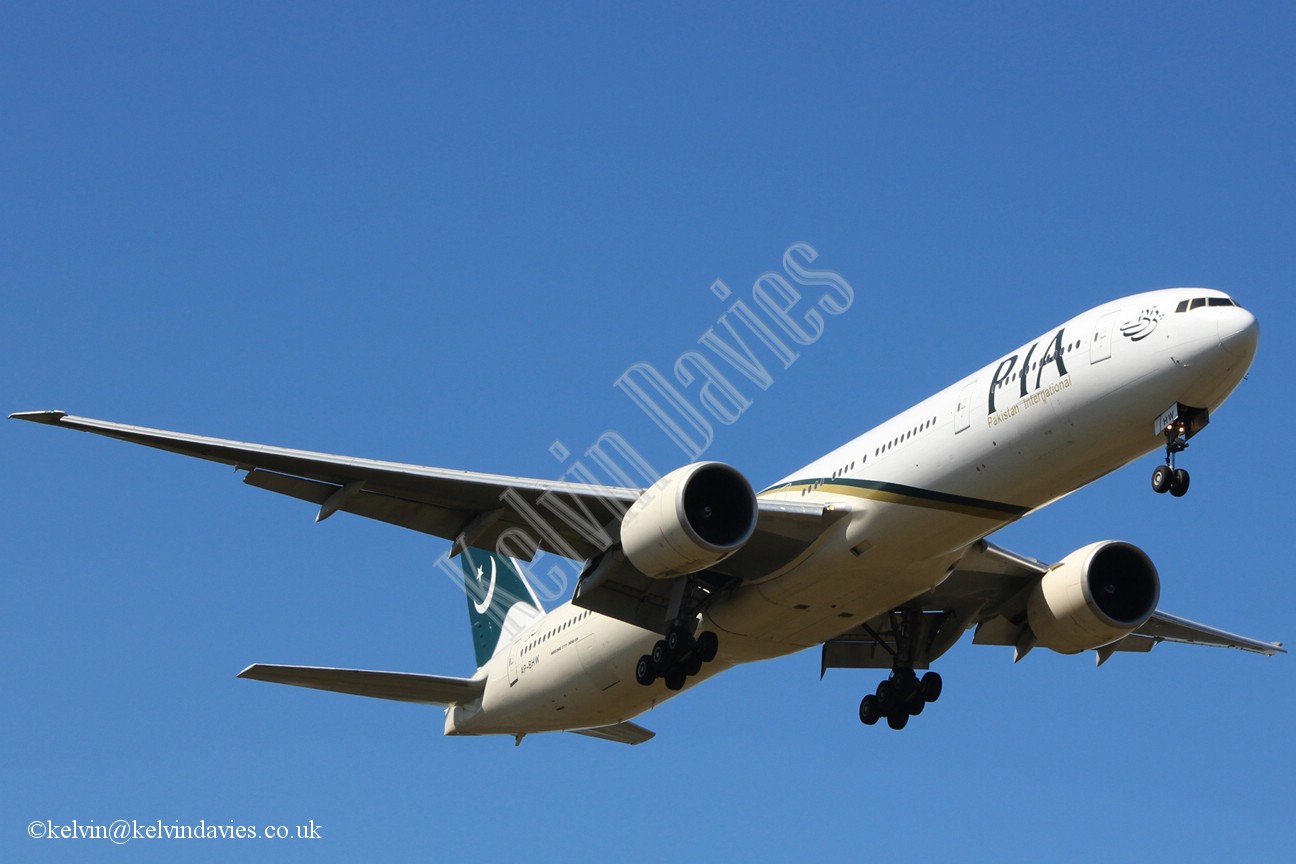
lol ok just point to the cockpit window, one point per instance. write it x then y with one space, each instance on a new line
1201 302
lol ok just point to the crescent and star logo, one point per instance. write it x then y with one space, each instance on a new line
1141 327
488 592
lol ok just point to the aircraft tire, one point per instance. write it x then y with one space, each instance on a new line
678 643
930 687
869 712
660 657
1179 485
708 645
1162 479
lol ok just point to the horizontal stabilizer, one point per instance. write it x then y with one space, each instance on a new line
400 686
622 733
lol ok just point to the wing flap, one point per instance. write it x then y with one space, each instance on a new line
875 644
397 686
417 516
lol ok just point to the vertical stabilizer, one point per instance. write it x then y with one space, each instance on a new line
500 602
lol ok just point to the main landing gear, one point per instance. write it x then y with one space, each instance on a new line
677 658
900 697
1168 478
903 694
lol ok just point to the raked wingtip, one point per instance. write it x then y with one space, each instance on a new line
50 417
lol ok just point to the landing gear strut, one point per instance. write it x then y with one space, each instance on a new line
1168 478
677 658
903 694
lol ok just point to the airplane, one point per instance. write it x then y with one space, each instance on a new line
875 552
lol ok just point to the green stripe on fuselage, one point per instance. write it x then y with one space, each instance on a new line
898 493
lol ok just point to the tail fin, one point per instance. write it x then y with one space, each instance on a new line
500 602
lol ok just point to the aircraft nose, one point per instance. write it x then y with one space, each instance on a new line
1239 333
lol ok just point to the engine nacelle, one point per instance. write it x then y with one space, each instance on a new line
691 519
1093 597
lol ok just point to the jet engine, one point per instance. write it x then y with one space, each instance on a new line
691 519
1093 597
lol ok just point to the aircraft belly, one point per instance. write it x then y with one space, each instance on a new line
559 692
549 677
598 657
882 559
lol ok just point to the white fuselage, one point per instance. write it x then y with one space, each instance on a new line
1036 424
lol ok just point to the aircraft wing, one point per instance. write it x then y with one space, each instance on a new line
1164 627
574 520
988 590
398 686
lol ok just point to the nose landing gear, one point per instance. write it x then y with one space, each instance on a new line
1168 478
1180 422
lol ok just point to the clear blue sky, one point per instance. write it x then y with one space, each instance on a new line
438 234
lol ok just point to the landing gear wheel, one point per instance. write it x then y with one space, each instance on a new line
930 686
904 687
660 657
916 705
677 658
645 670
898 719
1170 477
678 642
885 692
708 644
870 710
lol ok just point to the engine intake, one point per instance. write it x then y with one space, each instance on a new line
691 519
1093 597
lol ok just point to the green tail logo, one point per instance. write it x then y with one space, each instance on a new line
500 602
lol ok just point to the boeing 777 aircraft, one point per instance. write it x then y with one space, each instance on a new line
877 551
